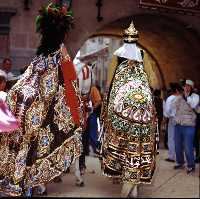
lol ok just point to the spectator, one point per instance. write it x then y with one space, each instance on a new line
11 78
185 119
98 109
3 77
158 101
92 120
167 93
90 135
169 112
197 130
197 136
7 66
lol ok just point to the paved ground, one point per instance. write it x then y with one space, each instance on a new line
168 183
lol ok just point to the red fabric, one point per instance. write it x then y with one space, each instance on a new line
71 98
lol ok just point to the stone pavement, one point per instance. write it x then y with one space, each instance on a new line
167 183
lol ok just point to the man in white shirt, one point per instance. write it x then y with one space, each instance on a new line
6 67
191 97
193 100
170 112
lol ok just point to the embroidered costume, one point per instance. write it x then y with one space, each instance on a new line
46 102
129 145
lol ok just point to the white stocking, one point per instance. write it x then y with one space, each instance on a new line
134 192
129 190
79 179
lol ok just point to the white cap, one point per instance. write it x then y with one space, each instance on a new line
129 51
3 74
189 82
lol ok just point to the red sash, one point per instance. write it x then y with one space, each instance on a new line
71 98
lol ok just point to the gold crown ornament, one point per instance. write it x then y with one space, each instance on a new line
130 34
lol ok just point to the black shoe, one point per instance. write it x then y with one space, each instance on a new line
57 179
43 193
67 171
80 184
169 160
190 170
179 166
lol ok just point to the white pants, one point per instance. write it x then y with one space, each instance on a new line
171 140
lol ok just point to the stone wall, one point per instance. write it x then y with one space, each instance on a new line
23 39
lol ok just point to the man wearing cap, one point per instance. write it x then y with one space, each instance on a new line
185 119
191 97
129 150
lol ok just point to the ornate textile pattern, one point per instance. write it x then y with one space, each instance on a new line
56 162
62 115
191 7
48 141
129 139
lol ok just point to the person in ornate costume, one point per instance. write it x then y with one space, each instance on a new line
46 102
129 139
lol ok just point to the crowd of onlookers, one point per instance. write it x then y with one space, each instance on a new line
178 114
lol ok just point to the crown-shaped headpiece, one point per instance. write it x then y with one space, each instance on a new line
130 34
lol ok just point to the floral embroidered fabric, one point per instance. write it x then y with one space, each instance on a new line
48 141
129 139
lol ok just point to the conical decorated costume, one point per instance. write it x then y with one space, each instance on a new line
129 144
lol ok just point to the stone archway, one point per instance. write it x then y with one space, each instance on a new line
152 67
174 47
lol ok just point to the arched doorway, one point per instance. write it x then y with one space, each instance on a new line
100 49
171 45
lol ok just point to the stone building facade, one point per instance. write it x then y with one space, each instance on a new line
19 40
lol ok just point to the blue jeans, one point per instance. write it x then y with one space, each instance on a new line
93 128
184 141
171 139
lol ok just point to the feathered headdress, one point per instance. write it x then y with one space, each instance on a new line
53 22
54 12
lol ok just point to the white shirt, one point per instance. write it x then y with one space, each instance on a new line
169 110
10 76
193 100
3 96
